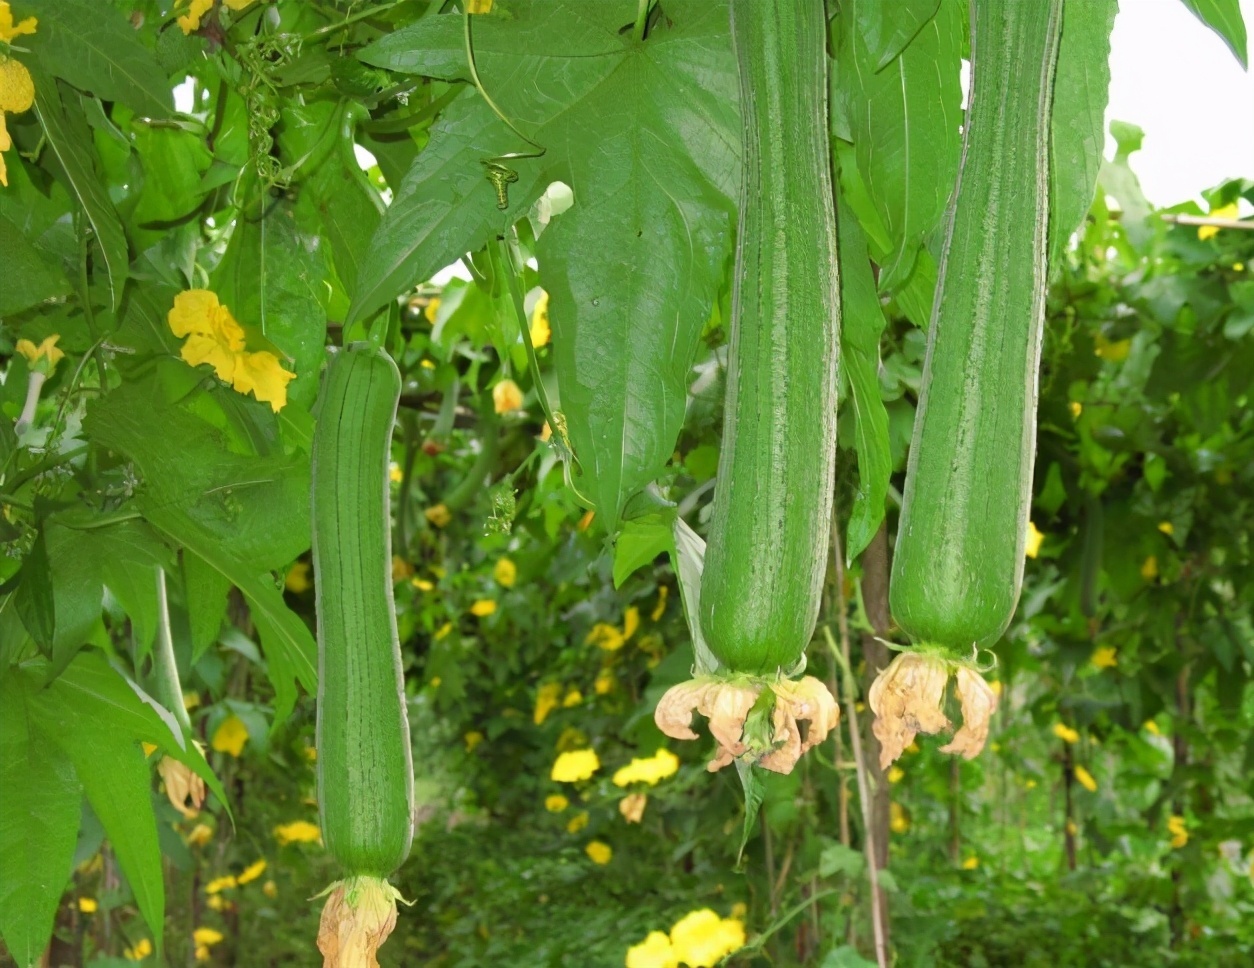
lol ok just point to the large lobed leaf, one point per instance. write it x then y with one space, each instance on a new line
647 136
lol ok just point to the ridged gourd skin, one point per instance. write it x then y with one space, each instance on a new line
958 562
768 538
365 770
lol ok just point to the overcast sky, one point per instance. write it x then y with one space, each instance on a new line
1176 79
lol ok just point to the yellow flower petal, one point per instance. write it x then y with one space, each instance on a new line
1066 733
505 572
651 769
190 21
506 397
577 822
1149 568
438 516
1205 232
1032 545
298 832
219 884
605 636
547 699
631 622
483 608
262 375
1104 657
7 28
600 853
654 951
575 765
17 90
662 592
555 803
573 698
971 863
632 806
139 951
230 736
1085 779
540 331
472 739
297 578
88 905
252 872
895 774
207 936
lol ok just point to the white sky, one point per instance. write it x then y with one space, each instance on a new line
1176 79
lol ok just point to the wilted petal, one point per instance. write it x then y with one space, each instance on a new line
979 702
185 789
726 705
632 806
674 710
906 699
805 700
359 915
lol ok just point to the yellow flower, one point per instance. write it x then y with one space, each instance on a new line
1167 528
184 788
586 521
570 739
270 889
44 357
546 432
17 93
478 6
599 852
660 607
1032 545
1151 727
422 584
139 951
654 951
472 739
1205 232
573 698
577 822
505 573
217 903
8 31
1149 568
261 375
401 569
651 769
297 579
701 939
212 334
207 936
575 765
190 21
540 331
297 832
218 884
604 683
632 806
251 872
1179 831
230 736
1085 779
88 905
555 803
1112 351
605 636
311 753
433 308
1066 733
1104 657
202 952
546 701
483 608
631 622
1070 827
898 822
971 863
191 700
895 774
199 835
1076 408
506 397
439 516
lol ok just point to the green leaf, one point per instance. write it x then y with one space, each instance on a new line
118 783
640 541
862 325
92 695
129 555
28 278
633 267
34 599
905 122
290 649
755 792
174 161
205 591
71 142
93 46
256 507
1117 179
270 277
886 28
836 858
39 817
1077 132
1224 18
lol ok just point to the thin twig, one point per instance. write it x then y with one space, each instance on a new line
1246 225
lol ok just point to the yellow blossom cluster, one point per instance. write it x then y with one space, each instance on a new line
17 90
700 939
213 336
650 769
